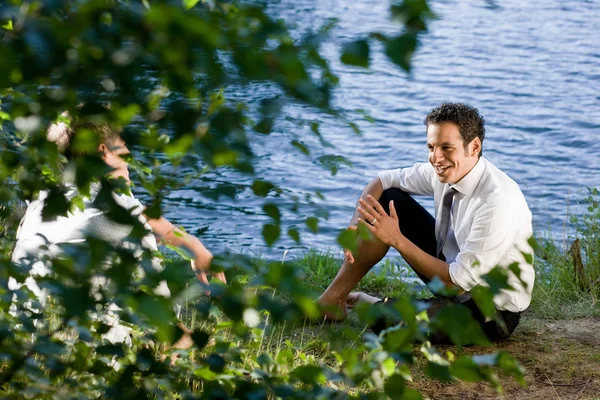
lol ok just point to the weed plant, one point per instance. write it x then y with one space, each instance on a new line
558 292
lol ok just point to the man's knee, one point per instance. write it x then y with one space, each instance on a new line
399 196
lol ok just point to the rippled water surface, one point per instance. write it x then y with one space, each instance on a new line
531 67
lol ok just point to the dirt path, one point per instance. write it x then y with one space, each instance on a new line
561 360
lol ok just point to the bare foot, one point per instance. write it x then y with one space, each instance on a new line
333 310
359 297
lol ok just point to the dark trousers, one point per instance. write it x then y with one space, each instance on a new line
419 227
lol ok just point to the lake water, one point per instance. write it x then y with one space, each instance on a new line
531 67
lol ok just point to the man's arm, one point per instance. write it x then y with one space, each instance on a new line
387 229
424 263
168 233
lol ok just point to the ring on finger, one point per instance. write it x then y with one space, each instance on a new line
373 221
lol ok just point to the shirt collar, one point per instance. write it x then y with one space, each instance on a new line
466 186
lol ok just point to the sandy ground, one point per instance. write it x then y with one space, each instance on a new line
561 360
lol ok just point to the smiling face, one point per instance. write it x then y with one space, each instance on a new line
450 158
114 153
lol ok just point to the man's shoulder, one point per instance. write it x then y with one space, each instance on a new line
495 181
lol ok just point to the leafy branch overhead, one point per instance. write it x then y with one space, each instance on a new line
165 73
413 14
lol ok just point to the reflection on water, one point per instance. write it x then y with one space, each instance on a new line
532 68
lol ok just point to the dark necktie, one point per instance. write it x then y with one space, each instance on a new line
443 234
445 220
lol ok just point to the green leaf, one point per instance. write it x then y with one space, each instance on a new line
511 366
179 146
332 162
438 371
8 25
397 339
293 233
356 53
187 4
215 362
154 210
56 204
50 348
263 188
355 128
466 369
484 298
309 374
301 146
394 387
272 211
456 321
217 100
401 48
111 350
200 338
159 312
271 233
347 239
497 280
312 223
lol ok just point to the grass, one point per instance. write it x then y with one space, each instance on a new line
557 340
556 294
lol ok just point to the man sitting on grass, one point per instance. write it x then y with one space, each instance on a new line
482 220
37 237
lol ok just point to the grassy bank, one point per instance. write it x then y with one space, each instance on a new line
557 341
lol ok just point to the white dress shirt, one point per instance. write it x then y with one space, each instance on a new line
490 224
38 239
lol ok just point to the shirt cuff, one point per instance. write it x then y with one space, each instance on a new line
463 277
386 178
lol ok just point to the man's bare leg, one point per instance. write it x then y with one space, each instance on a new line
333 300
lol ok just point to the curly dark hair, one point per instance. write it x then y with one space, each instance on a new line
470 122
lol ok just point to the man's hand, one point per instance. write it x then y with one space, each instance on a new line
384 227
199 268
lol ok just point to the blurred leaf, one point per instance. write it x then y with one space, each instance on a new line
466 369
200 338
309 374
216 363
189 3
456 321
356 53
272 211
333 162
509 365
347 239
400 50
55 204
271 233
312 223
484 299
50 348
397 339
394 387
301 146
438 371
294 234
159 312
263 188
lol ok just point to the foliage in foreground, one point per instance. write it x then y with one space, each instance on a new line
162 69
